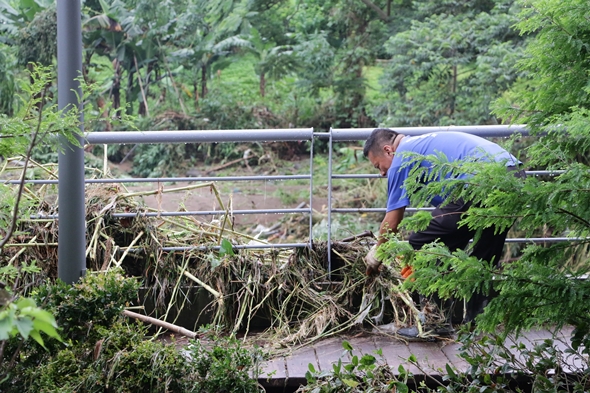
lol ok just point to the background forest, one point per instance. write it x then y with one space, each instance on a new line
225 64
234 64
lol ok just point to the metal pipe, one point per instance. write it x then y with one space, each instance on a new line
209 136
71 264
329 241
234 178
378 176
171 179
189 213
357 134
311 194
546 239
211 213
377 209
235 247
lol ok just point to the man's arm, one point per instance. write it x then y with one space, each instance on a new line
390 224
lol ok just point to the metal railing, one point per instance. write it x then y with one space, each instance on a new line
284 135
138 137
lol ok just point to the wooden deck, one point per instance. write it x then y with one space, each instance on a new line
432 357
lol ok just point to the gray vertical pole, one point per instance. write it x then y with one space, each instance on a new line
71 263
311 192
330 156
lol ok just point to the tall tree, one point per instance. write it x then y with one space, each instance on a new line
448 67
273 60
548 283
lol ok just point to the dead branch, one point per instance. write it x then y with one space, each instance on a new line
162 324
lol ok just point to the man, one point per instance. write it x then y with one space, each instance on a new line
385 149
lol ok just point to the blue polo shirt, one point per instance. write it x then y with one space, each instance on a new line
456 146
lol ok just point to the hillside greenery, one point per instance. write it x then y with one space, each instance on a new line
231 64
242 64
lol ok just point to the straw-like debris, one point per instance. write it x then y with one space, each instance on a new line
291 290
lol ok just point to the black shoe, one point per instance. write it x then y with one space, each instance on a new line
409 332
442 330
434 330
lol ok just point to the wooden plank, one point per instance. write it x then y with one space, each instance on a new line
363 346
274 369
573 362
395 353
452 351
328 352
537 336
298 362
430 357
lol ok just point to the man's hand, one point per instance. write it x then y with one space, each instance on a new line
372 262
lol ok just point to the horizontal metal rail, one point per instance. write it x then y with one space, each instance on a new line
232 178
212 213
378 176
357 134
208 136
546 239
235 247
172 179
375 209
189 213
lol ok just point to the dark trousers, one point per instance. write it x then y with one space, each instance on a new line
444 228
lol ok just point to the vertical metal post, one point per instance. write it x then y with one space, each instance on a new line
311 191
330 149
71 263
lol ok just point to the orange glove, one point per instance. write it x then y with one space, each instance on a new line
407 271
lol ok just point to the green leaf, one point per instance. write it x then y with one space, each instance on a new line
412 359
401 387
226 248
47 328
25 302
351 383
450 371
37 337
24 326
6 326
311 367
41 315
346 345
368 360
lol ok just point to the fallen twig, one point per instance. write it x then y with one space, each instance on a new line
162 324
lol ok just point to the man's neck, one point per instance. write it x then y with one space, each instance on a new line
396 141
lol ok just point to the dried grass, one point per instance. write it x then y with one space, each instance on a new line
291 289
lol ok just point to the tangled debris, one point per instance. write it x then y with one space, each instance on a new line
292 290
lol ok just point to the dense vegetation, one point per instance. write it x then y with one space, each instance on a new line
342 63
255 64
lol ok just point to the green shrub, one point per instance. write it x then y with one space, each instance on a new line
224 367
105 352
96 301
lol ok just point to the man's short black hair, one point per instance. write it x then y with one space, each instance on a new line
378 138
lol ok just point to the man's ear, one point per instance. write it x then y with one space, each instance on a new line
387 149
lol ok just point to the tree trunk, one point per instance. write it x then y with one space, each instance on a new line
130 100
104 113
453 92
116 89
203 81
262 84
